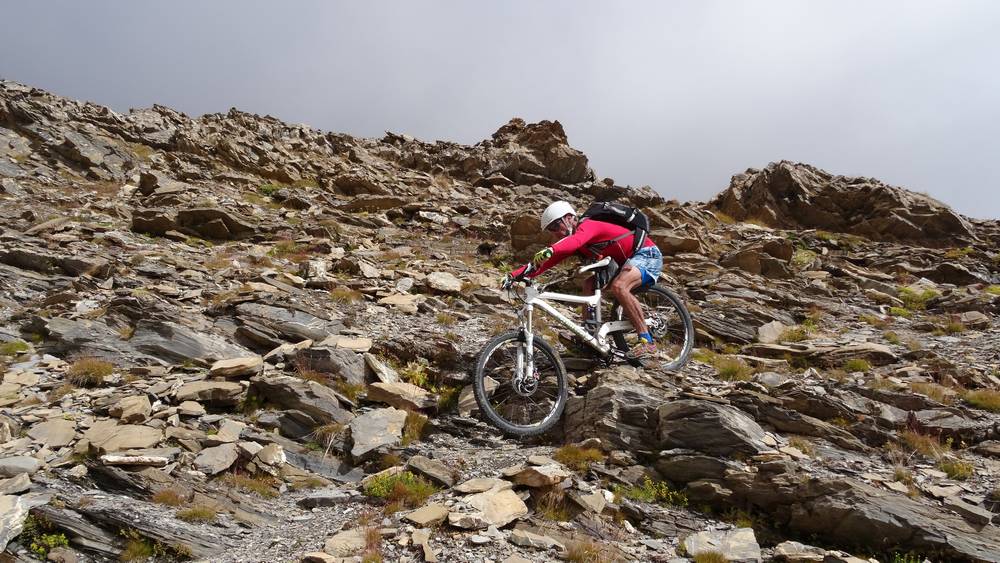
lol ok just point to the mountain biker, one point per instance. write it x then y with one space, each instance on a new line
585 238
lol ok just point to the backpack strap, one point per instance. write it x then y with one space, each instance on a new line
597 247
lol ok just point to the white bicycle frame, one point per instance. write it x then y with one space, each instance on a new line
533 298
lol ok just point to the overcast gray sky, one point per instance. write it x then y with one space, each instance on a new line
677 95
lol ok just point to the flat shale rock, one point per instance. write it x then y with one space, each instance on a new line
54 433
219 393
738 545
374 430
316 400
709 428
402 395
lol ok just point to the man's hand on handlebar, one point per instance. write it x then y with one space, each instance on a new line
509 279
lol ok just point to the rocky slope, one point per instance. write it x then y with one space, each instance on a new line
229 339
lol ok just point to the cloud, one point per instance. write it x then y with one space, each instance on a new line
677 95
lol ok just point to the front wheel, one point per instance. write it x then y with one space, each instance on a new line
669 324
526 408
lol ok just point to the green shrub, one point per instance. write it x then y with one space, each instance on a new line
856 364
577 458
405 487
901 312
993 290
269 189
915 300
956 468
650 491
891 337
13 348
198 513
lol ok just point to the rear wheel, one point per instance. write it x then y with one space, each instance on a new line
669 324
525 409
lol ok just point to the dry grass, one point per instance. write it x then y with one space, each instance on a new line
413 428
986 399
577 458
587 551
891 337
345 295
934 391
263 486
198 513
551 505
709 557
136 549
327 434
350 390
874 320
446 319
89 372
923 444
169 497
60 392
803 445
795 334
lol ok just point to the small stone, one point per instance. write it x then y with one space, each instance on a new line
540 476
432 469
324 499
217 459
498 507
237 367
736 545
525 538
345 543
480 485
132 410
468 520
15 465
430 515
444 282
15 485
191 408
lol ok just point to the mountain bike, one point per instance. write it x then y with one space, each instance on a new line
520 381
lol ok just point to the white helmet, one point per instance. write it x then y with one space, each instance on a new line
555 211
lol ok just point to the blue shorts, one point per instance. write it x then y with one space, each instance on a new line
649 262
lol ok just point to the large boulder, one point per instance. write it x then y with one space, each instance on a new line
710 428
798 196
539 149
316 400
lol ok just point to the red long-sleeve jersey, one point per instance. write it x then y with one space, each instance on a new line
589 232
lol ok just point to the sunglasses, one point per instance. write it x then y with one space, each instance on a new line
554 226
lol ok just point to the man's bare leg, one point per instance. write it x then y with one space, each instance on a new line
629 279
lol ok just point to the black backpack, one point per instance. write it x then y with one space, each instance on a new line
622 215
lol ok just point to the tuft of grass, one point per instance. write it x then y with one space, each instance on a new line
732 369
447 397
89 372
953 327
404 488
901 312
586 551
60 392
914 345
795 334
651 491
802 258
327 434
577 458
956 468
934 391
446 319
709 557
857 364
916 300
415 373
993 290
126 332
551 505
350 390
138 548
168 497
986 399
13 348
958 252
891 337
309 483
269 190
803 445
263 486
874 320
345 295
923 444
413 427
389 460
198 513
